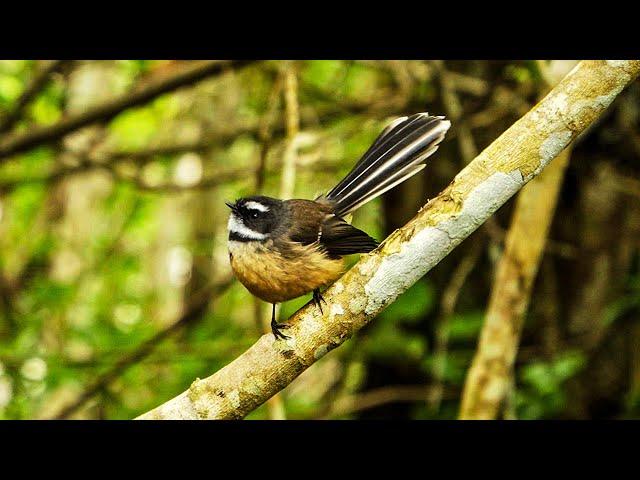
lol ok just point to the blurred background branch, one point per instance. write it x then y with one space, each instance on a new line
36 84
108 110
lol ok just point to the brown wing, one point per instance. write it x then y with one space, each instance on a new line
340 238
306 222
315 222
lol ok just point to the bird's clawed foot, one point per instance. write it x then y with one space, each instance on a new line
318 299
275 329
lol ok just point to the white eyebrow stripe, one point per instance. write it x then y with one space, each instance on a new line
236 226
256 206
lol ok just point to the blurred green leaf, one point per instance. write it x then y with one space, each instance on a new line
465 326
45 111
133 129
412 305
322 74
10 88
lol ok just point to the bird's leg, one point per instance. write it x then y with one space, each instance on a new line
318 299
275 327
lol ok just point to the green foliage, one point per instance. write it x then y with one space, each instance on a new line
388 339
10 88
521 73
412 305
324 75
134 128
361 81
47 108
540 393
453 366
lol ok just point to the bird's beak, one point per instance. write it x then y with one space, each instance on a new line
232 206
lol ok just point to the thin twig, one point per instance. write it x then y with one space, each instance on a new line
265 131
350 404
454 111
292 115
468 84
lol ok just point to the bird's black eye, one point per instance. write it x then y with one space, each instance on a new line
255 214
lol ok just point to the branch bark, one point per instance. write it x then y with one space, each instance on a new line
504 167
108 110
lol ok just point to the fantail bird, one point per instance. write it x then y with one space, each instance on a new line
282 249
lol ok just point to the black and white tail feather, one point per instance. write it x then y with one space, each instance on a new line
398 153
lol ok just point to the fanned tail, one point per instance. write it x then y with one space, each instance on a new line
398 153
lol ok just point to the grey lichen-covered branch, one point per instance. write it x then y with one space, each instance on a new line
493 177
